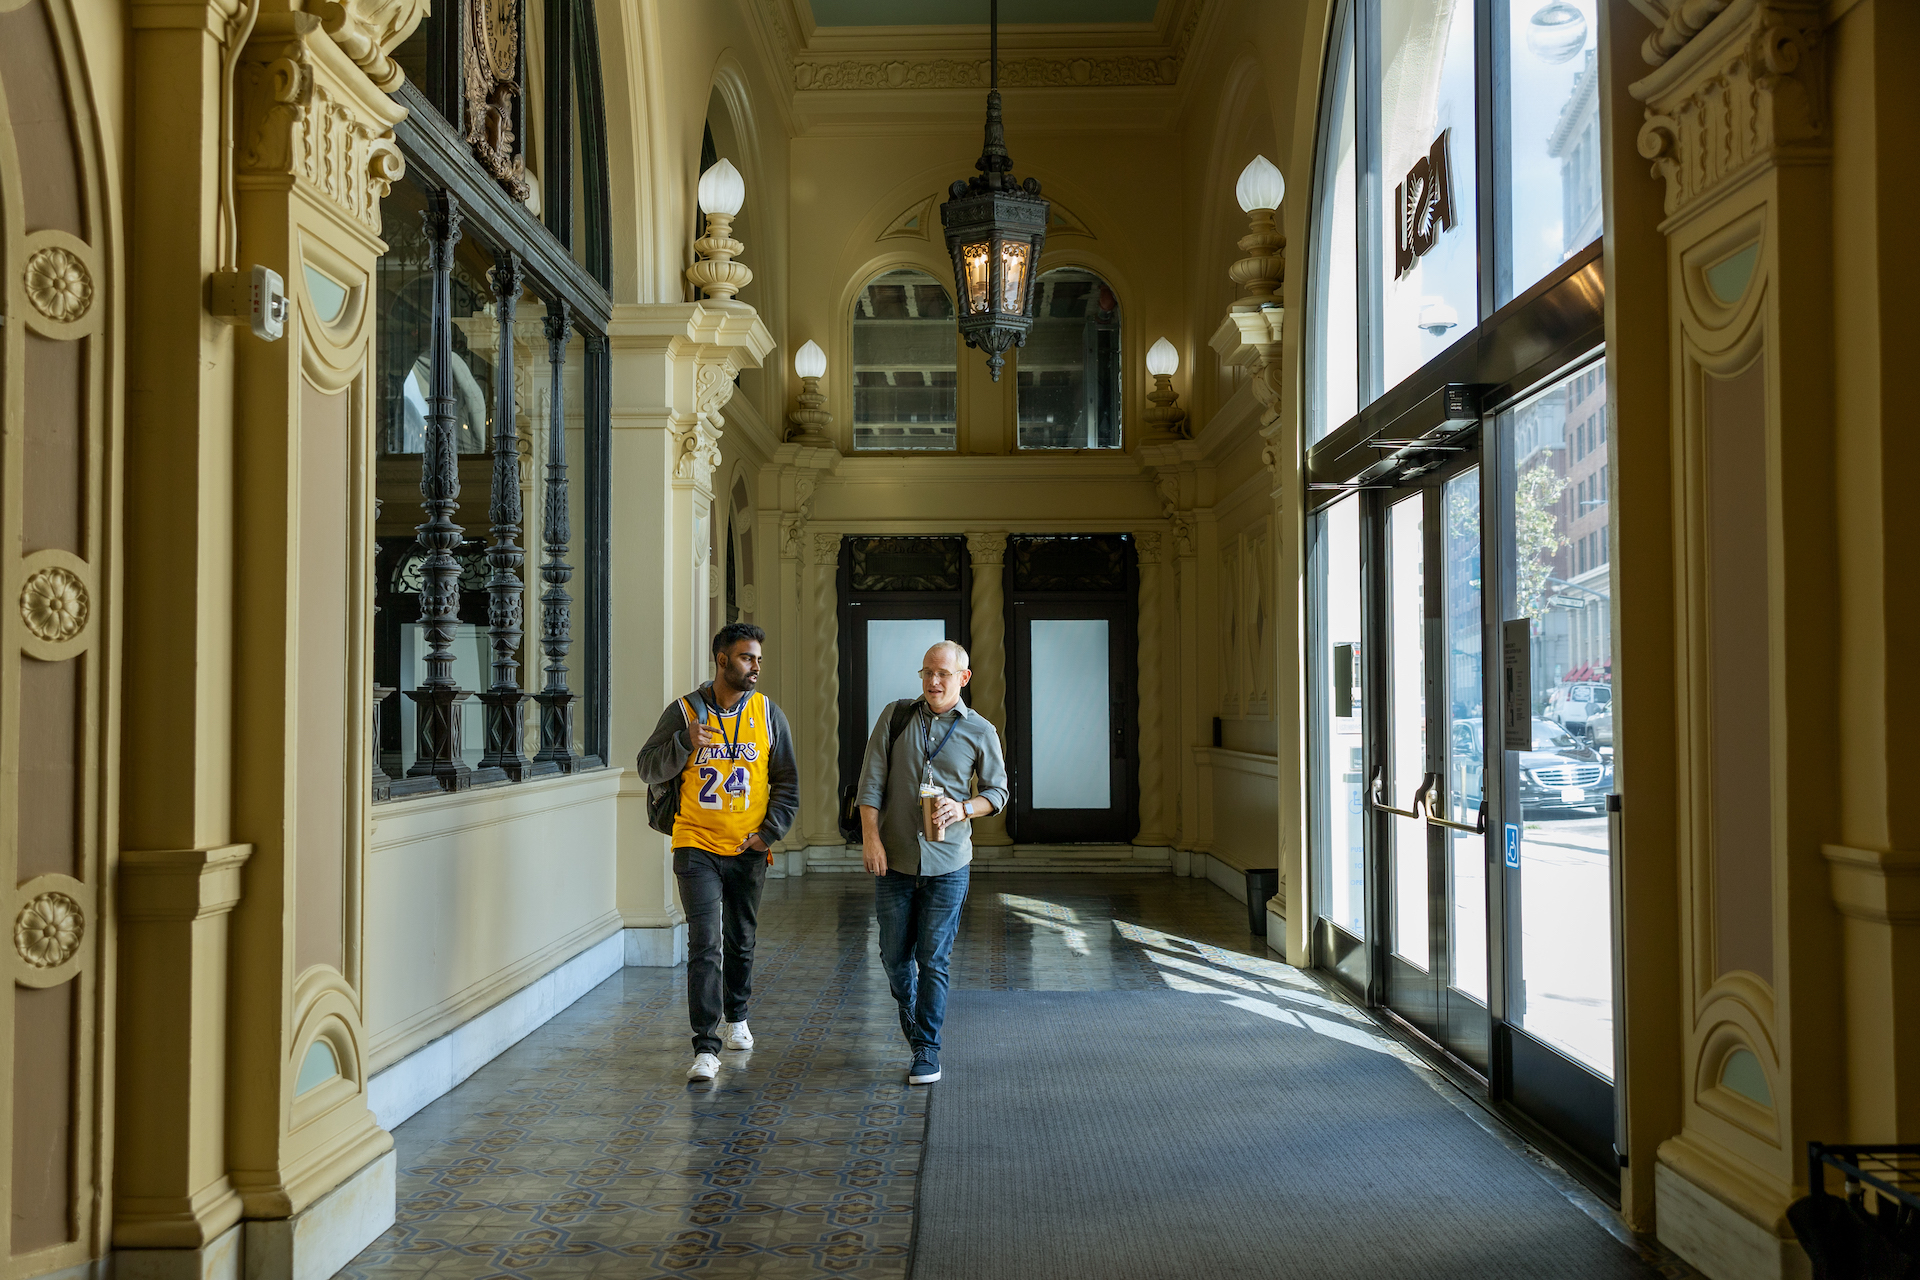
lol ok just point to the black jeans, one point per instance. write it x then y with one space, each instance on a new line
721 897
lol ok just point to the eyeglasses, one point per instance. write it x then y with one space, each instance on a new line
931 673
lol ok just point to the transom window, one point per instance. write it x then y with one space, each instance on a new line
1069 371
905 363
1393 292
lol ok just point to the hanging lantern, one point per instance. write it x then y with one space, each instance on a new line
995 229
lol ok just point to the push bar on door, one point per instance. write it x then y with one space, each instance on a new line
1419 797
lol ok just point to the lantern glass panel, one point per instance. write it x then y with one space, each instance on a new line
1013 276
977 262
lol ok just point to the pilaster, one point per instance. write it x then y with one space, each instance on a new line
1737 128
171 1173
1152 628
788 484
673 366
823 629
987 646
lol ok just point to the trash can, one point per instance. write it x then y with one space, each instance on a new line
1262 883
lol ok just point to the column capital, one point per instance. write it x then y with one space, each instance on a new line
308 110
987 546
826 549
1146 546
1738 84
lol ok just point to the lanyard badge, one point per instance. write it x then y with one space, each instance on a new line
736 794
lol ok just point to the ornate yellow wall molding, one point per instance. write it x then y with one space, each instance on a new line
1748 89
926 69
308 111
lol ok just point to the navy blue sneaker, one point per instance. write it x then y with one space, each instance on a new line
926 1067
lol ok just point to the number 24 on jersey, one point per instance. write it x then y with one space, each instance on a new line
731 794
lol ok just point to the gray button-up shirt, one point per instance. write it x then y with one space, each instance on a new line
972 752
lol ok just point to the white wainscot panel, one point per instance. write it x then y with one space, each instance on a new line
472 897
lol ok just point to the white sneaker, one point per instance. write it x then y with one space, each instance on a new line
737 1036
705 1067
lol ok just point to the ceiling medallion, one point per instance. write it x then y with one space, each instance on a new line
48 930
996 227
54 605
58 285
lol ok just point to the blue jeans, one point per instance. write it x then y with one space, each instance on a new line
919 916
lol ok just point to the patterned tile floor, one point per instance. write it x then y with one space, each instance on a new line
584 1151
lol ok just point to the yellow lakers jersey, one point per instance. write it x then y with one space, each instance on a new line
723 790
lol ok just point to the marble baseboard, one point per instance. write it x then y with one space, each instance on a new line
1717 1239
435 1068
329 1233
219 1260
660 948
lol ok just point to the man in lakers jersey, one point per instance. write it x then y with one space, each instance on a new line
731 752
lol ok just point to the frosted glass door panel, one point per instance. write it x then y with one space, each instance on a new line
895 647
1072 722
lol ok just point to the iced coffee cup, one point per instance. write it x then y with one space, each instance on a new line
935 830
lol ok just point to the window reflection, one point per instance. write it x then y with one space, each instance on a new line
1337 295
905 370
1342 819
1069 371
1429 270
1563 587
1550 154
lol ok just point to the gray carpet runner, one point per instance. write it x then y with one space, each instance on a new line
1149 1135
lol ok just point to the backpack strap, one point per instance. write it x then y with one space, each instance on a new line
897 723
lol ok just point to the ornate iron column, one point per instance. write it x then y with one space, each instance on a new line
504 699
438 699
556 606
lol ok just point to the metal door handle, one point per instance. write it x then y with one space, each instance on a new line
1479 827
1419 797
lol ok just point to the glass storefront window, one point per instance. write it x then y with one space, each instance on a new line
1550 153
1340 788
905 364
404 283
1337 268
1407 724
1562 578
1465 784
1429 256
1069 370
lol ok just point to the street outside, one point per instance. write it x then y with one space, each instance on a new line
1566 954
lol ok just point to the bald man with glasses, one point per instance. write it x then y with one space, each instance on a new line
920 884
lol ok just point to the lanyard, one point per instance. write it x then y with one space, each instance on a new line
933 752
738 713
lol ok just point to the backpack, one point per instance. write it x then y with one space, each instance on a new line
849 809
663 798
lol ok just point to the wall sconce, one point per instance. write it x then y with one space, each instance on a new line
1260 190
811 419
722 192
1165 420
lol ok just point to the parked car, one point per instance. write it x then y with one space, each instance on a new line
1573 704
1560 777
1600 730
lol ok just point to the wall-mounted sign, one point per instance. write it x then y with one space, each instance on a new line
1516 684
1425 202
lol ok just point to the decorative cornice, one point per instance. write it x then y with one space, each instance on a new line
1754 89
368 30
931 70
1684 20
303 118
